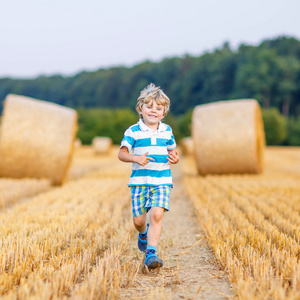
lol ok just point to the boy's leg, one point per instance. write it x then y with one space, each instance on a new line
139 196
154 231
160 199
140 222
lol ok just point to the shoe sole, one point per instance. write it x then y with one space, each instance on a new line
146 269
154 265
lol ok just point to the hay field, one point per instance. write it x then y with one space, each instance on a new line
71 242
67 241
252 223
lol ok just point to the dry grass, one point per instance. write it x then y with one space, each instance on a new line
13 190
67 242
253 224
74 241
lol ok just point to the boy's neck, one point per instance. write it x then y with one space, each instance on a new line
153 127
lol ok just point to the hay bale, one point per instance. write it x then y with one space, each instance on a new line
36 139
228 137
77 143
102 144
187 145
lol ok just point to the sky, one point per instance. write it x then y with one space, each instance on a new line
49 37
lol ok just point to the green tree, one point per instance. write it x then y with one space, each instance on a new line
256 74
275 126
287 73
284 46
268 72
104 122
185 123
294 131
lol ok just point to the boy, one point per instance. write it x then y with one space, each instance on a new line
153 150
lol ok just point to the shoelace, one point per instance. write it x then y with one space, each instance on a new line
150 251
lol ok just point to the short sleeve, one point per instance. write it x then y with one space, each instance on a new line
171 142
128 140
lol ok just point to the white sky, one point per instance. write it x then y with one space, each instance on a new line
67 36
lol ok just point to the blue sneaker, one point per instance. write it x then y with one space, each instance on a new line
152 262
142 241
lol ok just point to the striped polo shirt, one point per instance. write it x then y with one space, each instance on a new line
140 139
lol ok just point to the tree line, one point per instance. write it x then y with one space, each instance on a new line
269 72
113 122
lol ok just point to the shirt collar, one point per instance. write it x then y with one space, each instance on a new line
161 126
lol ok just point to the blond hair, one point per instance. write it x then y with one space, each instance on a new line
150 93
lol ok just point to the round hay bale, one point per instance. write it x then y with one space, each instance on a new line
77 143
102 144
187 145
36 139
228 137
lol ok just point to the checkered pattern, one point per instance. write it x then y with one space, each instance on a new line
144 197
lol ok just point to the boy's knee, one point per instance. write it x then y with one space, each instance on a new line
157 215
138 222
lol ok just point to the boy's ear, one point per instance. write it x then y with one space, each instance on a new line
139 111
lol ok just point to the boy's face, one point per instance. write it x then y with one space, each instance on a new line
152 114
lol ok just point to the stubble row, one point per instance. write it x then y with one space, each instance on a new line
252 222
68 241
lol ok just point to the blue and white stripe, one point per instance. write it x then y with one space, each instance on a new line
140 139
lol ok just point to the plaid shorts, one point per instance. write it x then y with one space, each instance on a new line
144 197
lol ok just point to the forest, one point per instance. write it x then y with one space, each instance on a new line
268 72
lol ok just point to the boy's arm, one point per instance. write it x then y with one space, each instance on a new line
125 156
173 156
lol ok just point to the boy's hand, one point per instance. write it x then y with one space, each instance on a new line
173 157
143 159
